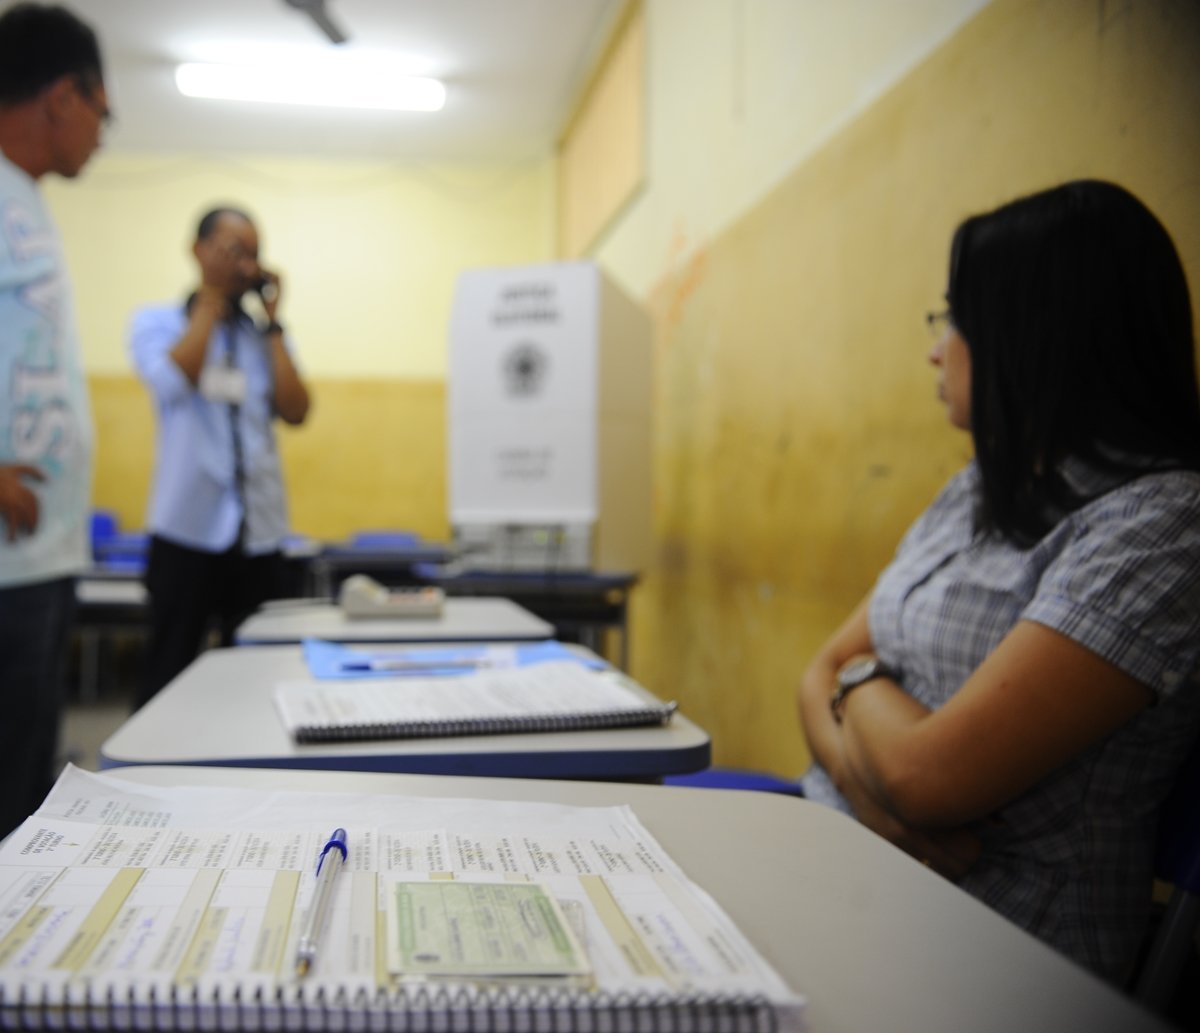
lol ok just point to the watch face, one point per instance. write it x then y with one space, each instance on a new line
859 671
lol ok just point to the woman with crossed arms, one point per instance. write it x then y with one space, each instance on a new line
1013 699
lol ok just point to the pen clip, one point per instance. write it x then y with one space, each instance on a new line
336 842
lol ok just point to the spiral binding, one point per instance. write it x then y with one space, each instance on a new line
495 1009
487 726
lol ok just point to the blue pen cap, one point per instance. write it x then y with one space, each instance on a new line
336 842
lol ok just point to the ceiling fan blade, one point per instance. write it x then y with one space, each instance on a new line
315 9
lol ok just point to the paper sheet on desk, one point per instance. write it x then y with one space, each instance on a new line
329 660
85 797
139 889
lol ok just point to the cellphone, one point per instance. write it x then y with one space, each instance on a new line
265 288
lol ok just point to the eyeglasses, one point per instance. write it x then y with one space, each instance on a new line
87 93
939 322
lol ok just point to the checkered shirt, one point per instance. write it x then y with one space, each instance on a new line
1069 860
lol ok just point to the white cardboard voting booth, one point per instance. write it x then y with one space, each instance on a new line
549 409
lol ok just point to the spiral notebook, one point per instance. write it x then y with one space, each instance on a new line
549 697
127 906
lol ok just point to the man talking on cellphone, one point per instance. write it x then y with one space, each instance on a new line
219 377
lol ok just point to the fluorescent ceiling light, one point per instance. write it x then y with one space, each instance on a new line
339 85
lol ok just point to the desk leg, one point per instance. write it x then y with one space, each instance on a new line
89 664
321 580
623 628
592 636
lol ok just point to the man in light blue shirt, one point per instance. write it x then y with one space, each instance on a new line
52 108
219 380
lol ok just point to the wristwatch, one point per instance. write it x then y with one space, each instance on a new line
854 674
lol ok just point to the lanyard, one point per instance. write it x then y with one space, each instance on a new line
239 468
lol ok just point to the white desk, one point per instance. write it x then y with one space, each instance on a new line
875 941
219 711
461 620
112 592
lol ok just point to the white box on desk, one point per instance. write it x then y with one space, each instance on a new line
550 379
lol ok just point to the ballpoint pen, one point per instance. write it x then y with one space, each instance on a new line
415 664
333 857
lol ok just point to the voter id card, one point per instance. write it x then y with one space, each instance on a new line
481 930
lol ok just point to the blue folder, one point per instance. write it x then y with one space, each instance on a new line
332 660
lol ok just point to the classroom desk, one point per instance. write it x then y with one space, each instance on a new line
120 595
219 711
581 605
875 941
462 620
106 601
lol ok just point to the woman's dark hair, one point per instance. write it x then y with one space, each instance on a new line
40 44
1075 309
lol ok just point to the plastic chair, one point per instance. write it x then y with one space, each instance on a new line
126 544
385 540
735 778
114 549
1177 861
104 527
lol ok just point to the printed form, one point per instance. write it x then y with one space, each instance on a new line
132 888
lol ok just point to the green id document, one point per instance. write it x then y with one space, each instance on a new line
481 930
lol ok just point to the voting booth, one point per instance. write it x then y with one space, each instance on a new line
549 410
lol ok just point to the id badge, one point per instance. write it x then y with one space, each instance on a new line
223 384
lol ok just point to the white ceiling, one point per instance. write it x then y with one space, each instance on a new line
511 68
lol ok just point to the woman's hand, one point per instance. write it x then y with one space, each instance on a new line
949 852
1036 702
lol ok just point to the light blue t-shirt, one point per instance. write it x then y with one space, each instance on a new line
196 501
45 419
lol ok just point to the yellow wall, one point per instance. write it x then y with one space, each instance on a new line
372 455
369 253
601 160
797 429
740 92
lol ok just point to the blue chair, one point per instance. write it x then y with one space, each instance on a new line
735 778
385 540
104 528
1177 861
128 543
115 550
